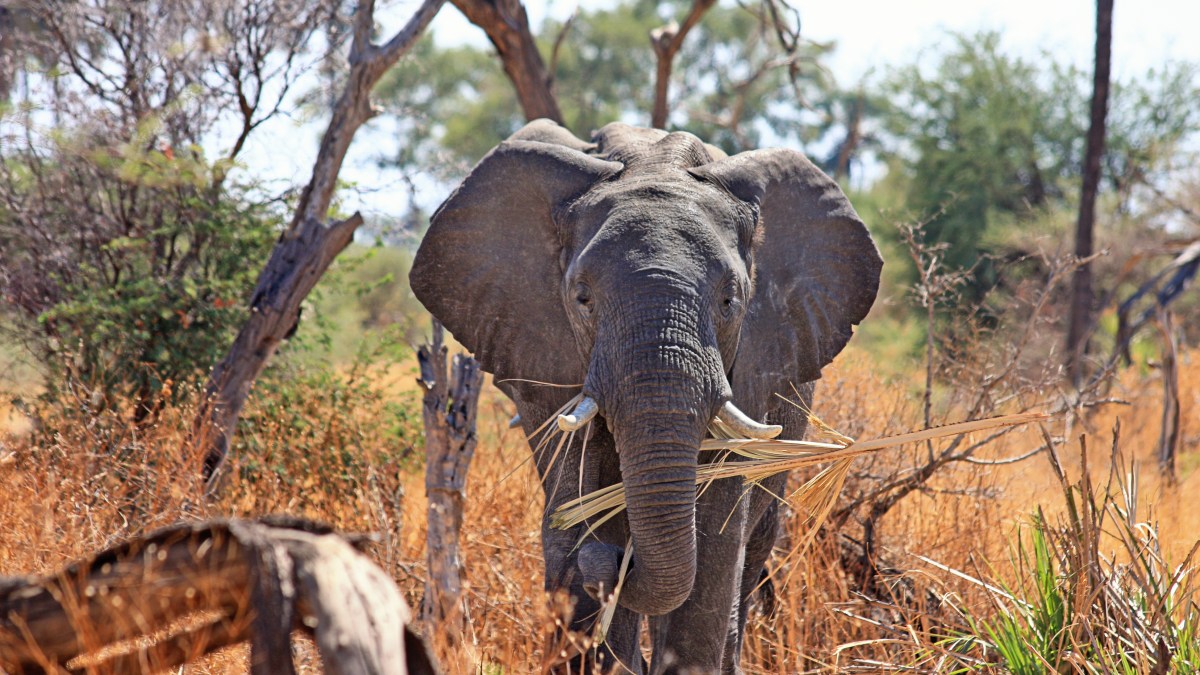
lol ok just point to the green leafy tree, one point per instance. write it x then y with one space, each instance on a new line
1151 121
128 278
982 133
451 106
127 253
983 139
604 70
735 84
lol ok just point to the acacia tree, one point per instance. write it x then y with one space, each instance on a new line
735 82
981 143
1082 299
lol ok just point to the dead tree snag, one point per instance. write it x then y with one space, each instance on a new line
450 407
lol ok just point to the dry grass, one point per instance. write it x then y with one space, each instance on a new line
67 498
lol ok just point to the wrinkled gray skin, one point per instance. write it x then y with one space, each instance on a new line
666 278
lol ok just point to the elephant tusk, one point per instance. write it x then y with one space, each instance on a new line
739 423
583 413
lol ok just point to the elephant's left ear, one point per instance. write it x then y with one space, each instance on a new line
817 266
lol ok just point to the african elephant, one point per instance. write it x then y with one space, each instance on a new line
669 281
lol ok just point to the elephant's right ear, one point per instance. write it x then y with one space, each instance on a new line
489 268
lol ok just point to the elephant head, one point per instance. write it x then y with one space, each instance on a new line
661 275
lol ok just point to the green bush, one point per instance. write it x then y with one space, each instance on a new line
128 269
144 336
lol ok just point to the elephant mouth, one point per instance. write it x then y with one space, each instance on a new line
729 416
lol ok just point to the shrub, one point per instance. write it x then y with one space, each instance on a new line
129 272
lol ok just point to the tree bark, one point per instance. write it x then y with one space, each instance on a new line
841 170
305 250
190 589
666 41
507 26
1170 439
449 411
1082 300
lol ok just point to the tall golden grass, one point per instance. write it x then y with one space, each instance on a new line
66 498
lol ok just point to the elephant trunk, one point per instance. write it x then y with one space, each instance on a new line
658 465
658 391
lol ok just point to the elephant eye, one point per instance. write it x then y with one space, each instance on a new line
729 305
730 302
583 296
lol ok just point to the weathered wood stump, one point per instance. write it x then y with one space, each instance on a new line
179 593
450 405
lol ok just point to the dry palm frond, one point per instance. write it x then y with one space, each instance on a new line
762 459
609 604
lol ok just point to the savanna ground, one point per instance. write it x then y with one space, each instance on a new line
319 450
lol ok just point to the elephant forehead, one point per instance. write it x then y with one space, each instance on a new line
685 242
643 222
651 149
660 197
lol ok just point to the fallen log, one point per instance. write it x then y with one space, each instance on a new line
171 596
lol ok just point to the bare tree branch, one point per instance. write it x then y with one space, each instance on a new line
741 90
507 26
558 43
306 249
666 41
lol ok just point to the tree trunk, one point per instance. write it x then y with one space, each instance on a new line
450 404
305 250
841 170
1082 297
189 589
666 41
507 26
1170 439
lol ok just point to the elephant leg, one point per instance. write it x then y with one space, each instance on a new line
764 523
621 652
567 473
693 637
758 549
